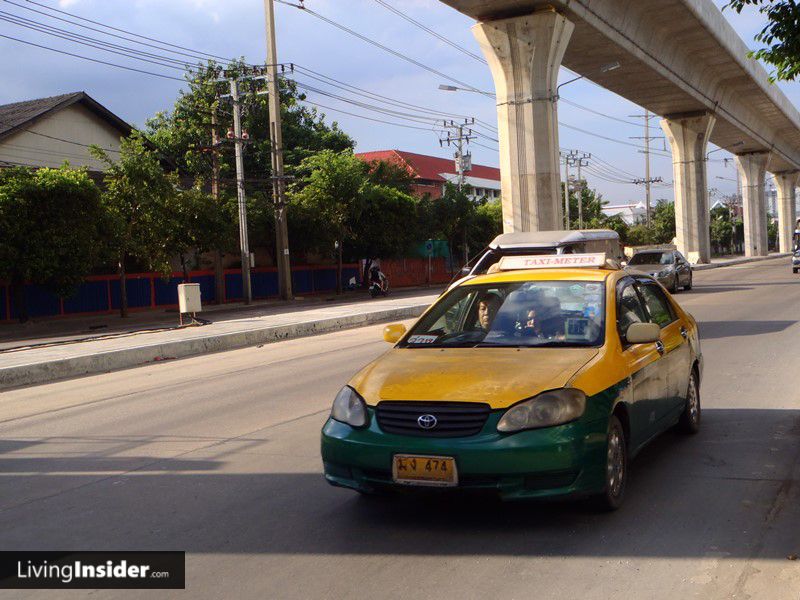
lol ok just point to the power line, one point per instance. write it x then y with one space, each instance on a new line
432 32
378 45
116 29
96 44
576 105
102 62
372 95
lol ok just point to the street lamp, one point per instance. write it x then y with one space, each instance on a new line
453 88
604 69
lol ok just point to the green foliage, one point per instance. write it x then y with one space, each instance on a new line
640 235
663 222
487 224
780 36
50 224
185 133
722 229
137 199
337 199
772 233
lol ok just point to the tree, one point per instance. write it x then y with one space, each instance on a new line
184 134
663 222
450 217
198 223
50 223
137 198
722 229
332 188
781 36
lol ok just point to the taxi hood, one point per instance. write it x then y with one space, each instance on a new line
499 377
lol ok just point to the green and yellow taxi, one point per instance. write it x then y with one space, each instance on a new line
539 379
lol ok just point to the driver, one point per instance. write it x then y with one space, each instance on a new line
488 306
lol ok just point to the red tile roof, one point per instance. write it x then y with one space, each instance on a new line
429 167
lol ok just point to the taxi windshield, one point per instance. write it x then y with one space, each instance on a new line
514 314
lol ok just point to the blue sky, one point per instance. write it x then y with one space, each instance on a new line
234 28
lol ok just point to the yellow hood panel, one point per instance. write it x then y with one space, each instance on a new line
499 377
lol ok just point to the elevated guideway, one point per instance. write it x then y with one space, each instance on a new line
679 59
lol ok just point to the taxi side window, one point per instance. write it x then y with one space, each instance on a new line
657 304
629 309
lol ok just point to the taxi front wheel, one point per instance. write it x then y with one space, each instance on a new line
690 418
616 468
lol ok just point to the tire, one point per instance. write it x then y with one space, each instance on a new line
372 292
674 287
688 286
616 469
689 421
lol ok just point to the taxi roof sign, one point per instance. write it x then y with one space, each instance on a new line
551 261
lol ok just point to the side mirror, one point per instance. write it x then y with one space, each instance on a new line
643 333
392 333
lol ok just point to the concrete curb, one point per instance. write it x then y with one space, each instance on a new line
42 372
739 261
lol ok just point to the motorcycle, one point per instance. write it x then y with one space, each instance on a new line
379 288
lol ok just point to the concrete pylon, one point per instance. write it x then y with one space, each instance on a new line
753 169
524 54
786 182
688 138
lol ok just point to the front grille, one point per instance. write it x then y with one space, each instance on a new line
453 419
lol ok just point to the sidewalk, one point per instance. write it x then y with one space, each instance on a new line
54 349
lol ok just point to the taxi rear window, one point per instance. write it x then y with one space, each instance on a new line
514 314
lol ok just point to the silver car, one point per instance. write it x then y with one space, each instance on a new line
796 261
668 267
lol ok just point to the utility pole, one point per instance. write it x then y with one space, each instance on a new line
276 144
238 144
582 161
219 274
647 179
569 160
463 161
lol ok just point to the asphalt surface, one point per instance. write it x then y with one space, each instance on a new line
218 455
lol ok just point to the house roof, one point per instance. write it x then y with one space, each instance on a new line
429 167
19 114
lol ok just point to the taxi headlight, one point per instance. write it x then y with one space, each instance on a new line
548 408
349 407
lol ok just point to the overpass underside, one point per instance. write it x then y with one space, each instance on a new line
678 59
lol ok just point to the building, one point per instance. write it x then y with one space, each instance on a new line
48 131
632 214
431 173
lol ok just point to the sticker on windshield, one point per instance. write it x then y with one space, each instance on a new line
591 311
592 288
422 339
576 289
592 299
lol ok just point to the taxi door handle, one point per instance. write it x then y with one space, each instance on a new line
660 348
684 333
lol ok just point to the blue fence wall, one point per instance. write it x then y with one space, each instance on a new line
150 291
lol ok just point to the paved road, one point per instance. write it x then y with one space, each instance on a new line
218 456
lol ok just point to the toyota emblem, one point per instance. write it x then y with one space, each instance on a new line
427 421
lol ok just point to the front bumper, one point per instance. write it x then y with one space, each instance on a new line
550 462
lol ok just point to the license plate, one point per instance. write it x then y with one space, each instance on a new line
412 469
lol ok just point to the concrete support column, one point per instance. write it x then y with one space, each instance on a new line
524 54
753 169
786 183
688 138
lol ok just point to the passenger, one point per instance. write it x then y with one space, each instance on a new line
551 318
488 306
531 326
